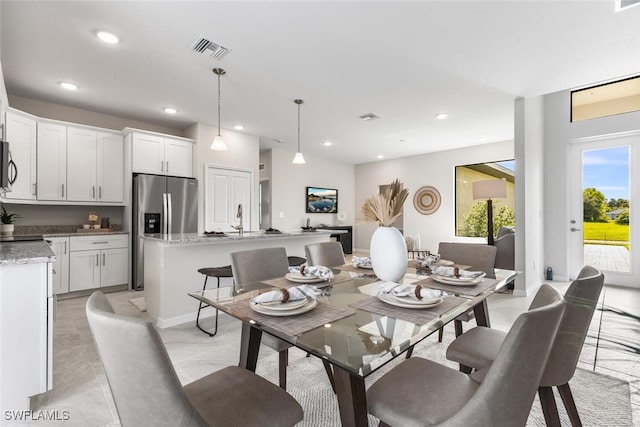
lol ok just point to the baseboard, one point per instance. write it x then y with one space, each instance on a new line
185 318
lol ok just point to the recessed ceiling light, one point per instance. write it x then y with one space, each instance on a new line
68 86
108 37
380 156
442 116
327 143
238 127
170 110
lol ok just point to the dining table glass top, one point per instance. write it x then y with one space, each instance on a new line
352 325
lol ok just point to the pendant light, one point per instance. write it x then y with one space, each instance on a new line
299 159
218 143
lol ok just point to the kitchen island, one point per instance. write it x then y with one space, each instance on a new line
171 264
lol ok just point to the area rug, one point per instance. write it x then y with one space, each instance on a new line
139 303
601 400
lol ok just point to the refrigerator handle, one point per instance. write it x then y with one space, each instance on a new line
170 210
164 213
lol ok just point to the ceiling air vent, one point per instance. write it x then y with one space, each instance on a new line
216 51
624 4
370 116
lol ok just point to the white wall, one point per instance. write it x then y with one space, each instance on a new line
433 169
288 186
48 110
243 153
558 134
529 144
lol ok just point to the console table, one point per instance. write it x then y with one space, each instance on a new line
345 239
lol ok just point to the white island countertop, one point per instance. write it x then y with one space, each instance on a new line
195 238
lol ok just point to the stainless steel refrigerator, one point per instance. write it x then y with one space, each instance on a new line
161 205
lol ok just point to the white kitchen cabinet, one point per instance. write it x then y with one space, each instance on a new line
95 166
52 161
162 155
21 134
60 274
97 261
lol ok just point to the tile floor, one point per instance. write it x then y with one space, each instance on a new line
81 388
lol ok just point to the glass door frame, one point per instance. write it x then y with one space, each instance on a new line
575 180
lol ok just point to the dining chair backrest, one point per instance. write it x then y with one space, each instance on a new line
478 256
581 298
328 254
517 370
259 264
142 379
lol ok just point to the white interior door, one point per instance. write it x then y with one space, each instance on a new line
225 189
605 167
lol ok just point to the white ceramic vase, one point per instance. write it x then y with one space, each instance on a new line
388 252
6 228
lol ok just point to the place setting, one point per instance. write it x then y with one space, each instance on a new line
456 276
286 302
411 296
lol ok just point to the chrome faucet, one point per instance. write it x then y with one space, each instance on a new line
239 226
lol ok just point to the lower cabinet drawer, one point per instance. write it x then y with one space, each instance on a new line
88 243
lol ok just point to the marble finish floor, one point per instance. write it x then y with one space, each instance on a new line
81 388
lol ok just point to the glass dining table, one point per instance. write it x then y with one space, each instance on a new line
352 326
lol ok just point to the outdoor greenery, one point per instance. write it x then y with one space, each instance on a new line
606 231
475 221
594 205
623 218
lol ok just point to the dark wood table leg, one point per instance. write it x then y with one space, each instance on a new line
481 311
249 346
352 398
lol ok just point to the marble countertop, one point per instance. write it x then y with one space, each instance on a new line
195 238
25 253
99 232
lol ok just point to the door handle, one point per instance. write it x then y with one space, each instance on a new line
574 229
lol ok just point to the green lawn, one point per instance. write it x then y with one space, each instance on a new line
606 231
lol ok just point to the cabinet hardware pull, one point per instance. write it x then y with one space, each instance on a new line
99 243
100 192
34 188
97 260
161 165
65 247
167 167
94 191
62 190
103 259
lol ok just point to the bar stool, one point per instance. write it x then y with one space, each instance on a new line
216 272
295 261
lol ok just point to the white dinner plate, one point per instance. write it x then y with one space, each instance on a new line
398 302
289 305
300 278
459 281
411 299
367 266
308 305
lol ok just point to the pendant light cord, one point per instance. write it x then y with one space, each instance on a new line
299 128
218 104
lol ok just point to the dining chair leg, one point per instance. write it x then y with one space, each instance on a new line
549 408
327 368
383 424
458 327
440 334
284 360
409 352
465 369
570 405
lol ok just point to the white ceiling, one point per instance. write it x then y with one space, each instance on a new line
404 61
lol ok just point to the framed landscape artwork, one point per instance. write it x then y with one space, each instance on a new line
321 200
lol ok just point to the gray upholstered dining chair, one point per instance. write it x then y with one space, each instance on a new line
477 348
147 391
479 257
420 392
328 254
254 266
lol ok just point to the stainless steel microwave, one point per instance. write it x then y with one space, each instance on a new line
8 170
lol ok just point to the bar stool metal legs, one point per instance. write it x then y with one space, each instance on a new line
217 272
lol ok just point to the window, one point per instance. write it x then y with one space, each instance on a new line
604 100
471 215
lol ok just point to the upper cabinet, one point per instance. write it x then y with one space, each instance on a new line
21 134
52 161
95 166
162 155
79 164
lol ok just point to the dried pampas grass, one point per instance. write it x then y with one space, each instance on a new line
385 208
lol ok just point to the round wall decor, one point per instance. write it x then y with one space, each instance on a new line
426 200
